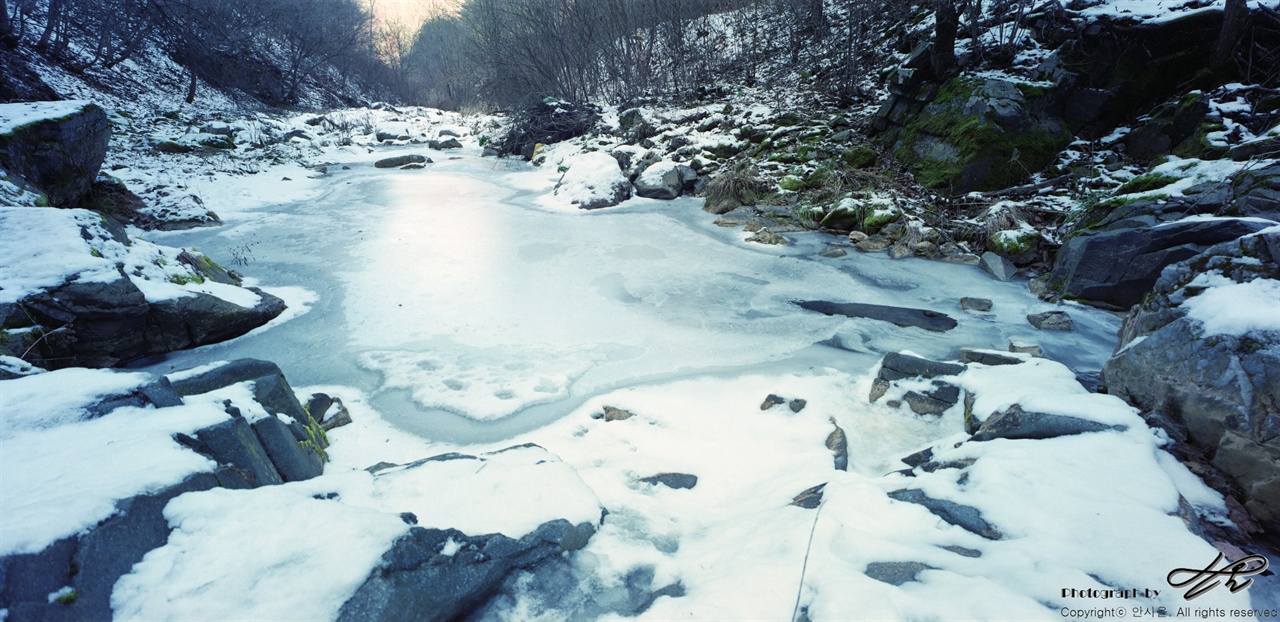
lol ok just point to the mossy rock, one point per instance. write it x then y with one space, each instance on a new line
792 183
981 134
169 146
879 219
1017 245
860 156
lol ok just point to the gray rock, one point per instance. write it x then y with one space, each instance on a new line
809 498
997 266
1016 423
1220 391
838 443
234 444
380 135
666 186
616 414
400 160
896 366
1021 347
918 458
765 236
797 405
271 389
899 316
439 145
966 517
896 573
1051 320
1119 267
873 244
672 480
935 401
987 357
771 400
292 461
414 581
59 155
975 304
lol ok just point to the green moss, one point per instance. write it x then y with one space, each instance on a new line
183 279
877 219
1145 183
858 156
1011 243
68 598
168 146
1032 91
792 183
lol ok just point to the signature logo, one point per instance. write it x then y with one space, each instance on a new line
1209 578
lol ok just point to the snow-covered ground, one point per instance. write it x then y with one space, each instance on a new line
464 307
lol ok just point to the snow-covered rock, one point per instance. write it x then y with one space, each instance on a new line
57 147
1200 356
593 181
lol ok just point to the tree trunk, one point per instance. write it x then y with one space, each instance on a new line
944 41
191 88
1234 15
55 13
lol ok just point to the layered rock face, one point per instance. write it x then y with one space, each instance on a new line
1201 357
57 147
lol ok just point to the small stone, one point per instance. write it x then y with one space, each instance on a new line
1051 320
797 405
879 387
997 266
838 443
400 160
857 236
976 304
833 253
873 244
337 416
987 357
810 498
616 414
765 236
1024 347
896 573
960 550
925 248
893 404
672 480
770 401
899 251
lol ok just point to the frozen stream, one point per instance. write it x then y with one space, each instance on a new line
471 309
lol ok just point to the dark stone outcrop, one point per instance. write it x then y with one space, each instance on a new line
896 366
401 160
1118 267
672 480
90 324
91 562
963 516
896 573
61 153
416 581
1016 423
899 316
1219 391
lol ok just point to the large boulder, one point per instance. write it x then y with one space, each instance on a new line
423 577
58 147
87 295
982 134
663 180
593 181
1118 267
1201 358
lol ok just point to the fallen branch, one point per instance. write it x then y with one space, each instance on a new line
1033 188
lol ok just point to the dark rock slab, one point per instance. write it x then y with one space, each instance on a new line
900 316
1119 267
771 400
401 160
292 461
672 480
270 389
1016 423
966 517
234 444
934 401
809 498
838 443
896 573
414 581
896 366
987 357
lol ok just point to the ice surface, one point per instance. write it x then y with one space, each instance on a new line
463 302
